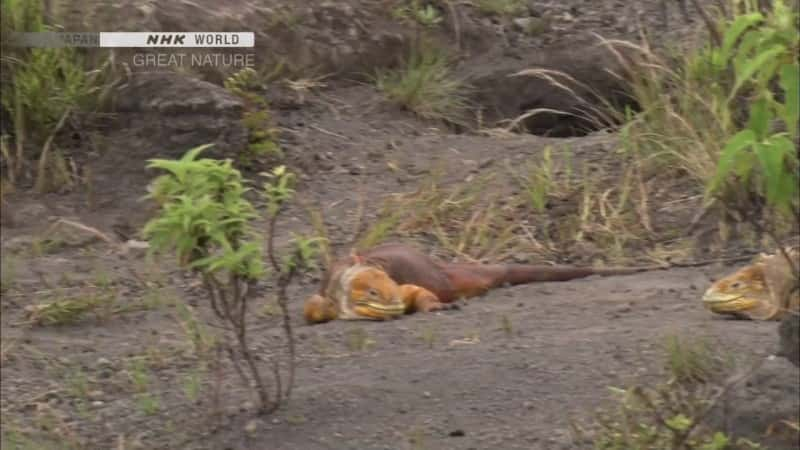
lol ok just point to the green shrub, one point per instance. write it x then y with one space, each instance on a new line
425 15
47 83
426 86
204 216
761 159
39 89
39 84
726 114
262 134
673 414
206 220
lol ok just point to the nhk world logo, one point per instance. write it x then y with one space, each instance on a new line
190 39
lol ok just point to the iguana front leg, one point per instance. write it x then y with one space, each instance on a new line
319 309
418 298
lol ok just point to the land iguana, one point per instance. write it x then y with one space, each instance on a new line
764 290
390 280
767 289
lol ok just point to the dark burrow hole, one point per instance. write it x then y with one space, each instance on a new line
573 93
549 113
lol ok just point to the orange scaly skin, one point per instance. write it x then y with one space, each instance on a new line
390 280
764 290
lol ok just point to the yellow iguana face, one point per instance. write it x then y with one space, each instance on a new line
744 293
369 293
764 290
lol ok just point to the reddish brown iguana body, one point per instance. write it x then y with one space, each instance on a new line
389 280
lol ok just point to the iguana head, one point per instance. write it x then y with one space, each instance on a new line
742 293
757 291
357 292
368 292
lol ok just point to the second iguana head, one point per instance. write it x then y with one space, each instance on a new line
764 290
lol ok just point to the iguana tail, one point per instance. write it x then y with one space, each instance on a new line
469 280
525 273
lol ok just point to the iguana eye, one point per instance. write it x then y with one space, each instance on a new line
372 293
736 285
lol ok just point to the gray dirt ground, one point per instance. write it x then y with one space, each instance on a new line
510 370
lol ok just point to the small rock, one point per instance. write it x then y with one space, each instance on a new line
417 170
426 394
98 403
520 258
485 163
522 23
103 362
134 248
534 9
96 394
251 427
347 10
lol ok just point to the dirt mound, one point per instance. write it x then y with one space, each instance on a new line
301 39
354 37
563 92
177 112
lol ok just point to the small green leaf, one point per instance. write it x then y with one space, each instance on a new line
759 118
748 69
735 29
781 181
718 442
193 153
679 422
730 155
790 83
